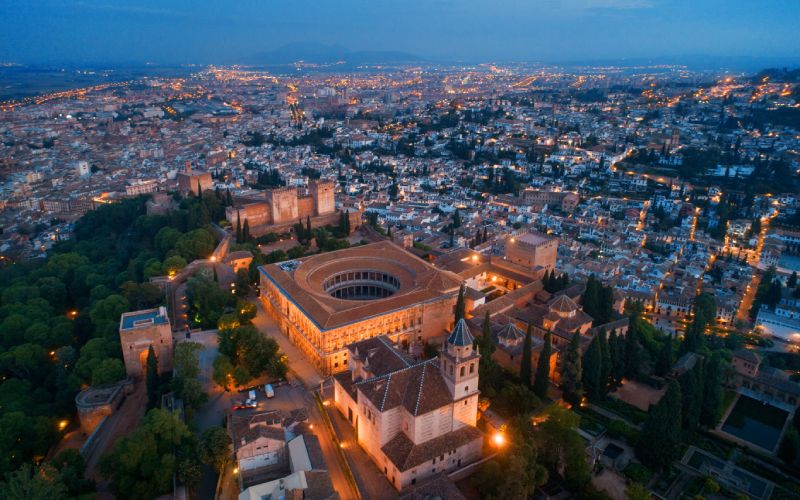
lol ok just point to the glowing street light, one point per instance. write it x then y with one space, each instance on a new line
499 439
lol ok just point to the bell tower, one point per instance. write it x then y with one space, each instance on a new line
459 362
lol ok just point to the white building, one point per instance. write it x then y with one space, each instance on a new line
259 441
783 323
414 418
82 169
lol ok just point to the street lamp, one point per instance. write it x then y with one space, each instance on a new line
499 439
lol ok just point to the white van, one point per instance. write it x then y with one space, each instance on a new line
251 395
269 391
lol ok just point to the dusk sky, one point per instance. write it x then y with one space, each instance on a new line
215 31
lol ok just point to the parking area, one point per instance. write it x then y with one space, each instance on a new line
288 396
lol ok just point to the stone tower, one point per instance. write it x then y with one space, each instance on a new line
283 205
137 332
459 365
322 192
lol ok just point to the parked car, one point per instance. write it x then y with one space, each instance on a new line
269 391
247 403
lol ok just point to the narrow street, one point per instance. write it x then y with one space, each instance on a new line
371 481
213 412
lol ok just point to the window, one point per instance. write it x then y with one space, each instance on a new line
472 367
466 388
462 371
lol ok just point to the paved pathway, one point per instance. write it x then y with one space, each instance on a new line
298 363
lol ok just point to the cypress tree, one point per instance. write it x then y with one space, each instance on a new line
485 238
792 281
460 304
389 232
615 352
605 361
347 221
606 304
487 343
592 369
572 371
238 227
659 444
199 189
216 278
664 361
591 298
152 378
693 338
308 227
632 349
228 198
542 380
301 231
692 397
246 231
712 392
561 282
525 362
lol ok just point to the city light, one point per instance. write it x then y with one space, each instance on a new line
499 439
638 193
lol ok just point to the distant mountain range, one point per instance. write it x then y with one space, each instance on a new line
319 53
746 64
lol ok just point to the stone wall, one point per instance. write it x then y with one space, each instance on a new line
96 403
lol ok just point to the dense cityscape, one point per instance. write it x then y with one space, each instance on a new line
395 278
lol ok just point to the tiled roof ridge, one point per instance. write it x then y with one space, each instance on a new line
419 392
388 375
386 390
382 340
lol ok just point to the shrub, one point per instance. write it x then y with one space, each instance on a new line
638 473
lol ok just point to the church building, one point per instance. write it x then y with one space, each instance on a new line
415 418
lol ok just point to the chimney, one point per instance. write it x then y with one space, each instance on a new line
188 167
